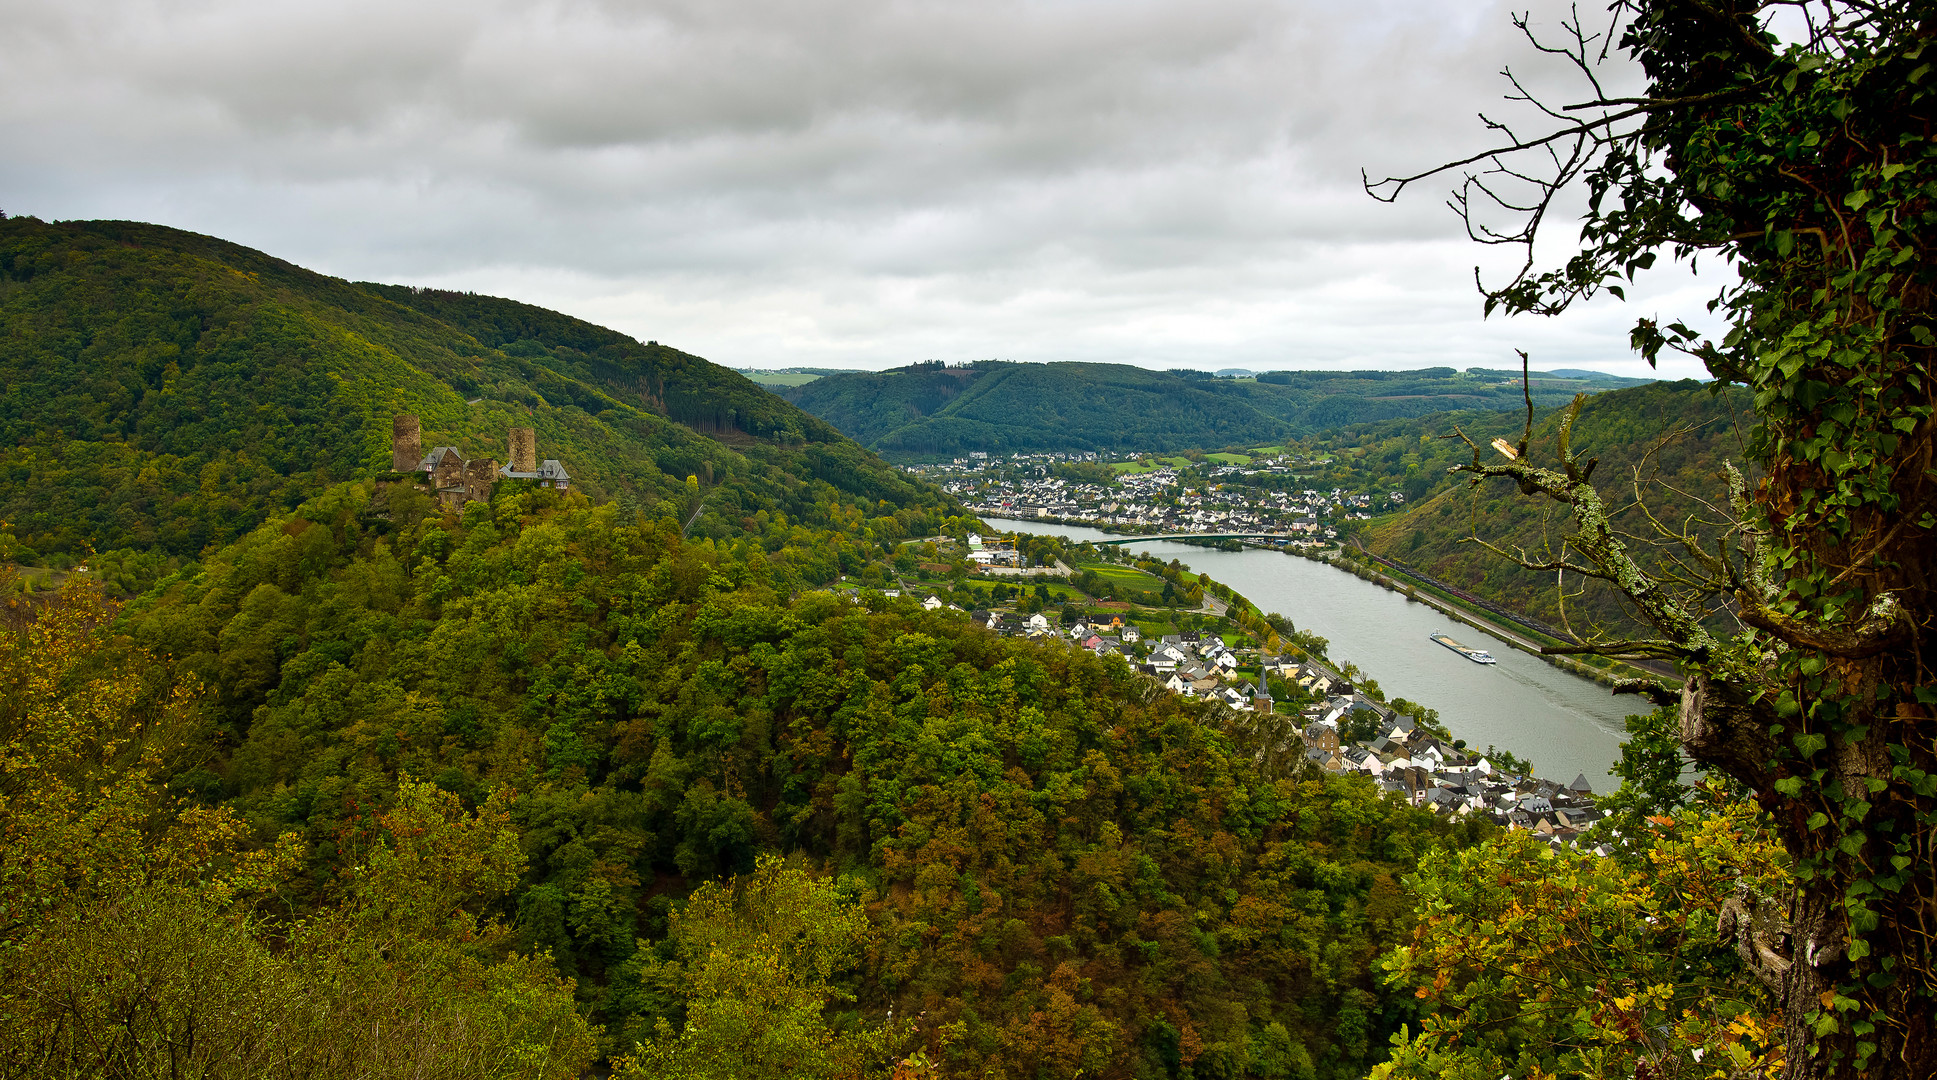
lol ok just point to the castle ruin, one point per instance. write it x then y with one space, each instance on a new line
406 444
525 464
524 450
457 480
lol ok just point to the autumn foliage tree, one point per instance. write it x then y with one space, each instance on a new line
133 939
1539 960
1791 140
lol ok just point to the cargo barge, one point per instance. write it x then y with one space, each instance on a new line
1478 656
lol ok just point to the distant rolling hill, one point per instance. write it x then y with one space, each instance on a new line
166 391
929 410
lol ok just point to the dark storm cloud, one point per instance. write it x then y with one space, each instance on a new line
813 181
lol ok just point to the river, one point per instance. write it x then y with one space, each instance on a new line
1562 723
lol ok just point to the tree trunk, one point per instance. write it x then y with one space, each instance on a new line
1800 945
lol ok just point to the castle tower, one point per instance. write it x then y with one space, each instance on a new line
406 444
524 450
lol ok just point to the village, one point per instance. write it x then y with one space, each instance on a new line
1328 714
1223 493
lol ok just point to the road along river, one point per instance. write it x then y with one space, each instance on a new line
1562 723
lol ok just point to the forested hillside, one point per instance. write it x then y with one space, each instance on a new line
1671 439
165 392
1062 867
929 410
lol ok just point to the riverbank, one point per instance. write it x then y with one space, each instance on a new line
1564 722
1523 638
1519 637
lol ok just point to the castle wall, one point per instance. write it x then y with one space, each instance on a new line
524 450
406 444
448 474
479 475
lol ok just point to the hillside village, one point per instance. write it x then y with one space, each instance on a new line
1336 726
1168 498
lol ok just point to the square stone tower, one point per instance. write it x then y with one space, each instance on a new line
524 450
406 444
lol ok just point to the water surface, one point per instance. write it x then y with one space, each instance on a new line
1562 723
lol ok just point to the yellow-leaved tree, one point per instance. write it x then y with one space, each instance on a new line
132 942
1543 961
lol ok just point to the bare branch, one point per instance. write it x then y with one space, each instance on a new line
1601 543
1402 182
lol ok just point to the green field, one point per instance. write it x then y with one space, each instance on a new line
1267 450
1228 459
778 378
1141 467
1125 578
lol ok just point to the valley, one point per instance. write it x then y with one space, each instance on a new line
383 597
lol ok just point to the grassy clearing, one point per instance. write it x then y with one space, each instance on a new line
1228 459
1132 467
1267 450
1125 578
36 579
1116 573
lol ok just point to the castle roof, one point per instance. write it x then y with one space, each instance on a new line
549 469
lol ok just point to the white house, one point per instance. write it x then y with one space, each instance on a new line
933 603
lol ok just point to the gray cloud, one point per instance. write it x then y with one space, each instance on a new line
856 182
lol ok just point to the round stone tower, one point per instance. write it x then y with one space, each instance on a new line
406 445
524 450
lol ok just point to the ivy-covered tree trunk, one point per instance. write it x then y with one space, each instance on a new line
1807 162
1848 953
1825 712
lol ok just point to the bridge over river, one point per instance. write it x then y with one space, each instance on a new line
1118 541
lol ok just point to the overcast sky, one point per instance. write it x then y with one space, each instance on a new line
846 183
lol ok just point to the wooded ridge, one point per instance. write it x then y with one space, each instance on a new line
931 410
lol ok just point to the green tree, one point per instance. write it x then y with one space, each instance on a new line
1807 164
134 946
756 966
